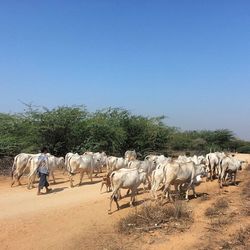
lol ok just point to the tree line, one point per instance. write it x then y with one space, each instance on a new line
113 130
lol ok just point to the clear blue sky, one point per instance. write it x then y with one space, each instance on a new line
188 60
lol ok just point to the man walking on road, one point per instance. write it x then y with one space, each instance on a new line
43 171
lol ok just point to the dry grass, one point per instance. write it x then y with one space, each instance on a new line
217 208
239 240
220 221
245 190
217 214
153 216
245 193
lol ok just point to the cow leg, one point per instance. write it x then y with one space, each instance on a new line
31 181
222 178
208 171
166 192
219 170
193 188
90 176
102 187
71 180
127 192
169 195
149 183
187 192
132 200
13 182
81 176
177 190
18 179
13 179
211 172
114 197
119 195
153 190
235 179
116 201
53 177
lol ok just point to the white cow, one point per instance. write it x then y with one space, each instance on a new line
20 165
67 156
99 161
201 159
130 155
53 164
178 174
183 159
80 163
229 166
158 177
212 162
115 163
128 179
156 158
33 164
146 166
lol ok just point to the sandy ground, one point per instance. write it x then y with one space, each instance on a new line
77 218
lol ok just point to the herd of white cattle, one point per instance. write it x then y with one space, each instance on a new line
155 172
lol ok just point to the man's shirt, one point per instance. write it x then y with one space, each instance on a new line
43 166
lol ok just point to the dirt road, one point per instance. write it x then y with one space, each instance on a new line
77 218
55 220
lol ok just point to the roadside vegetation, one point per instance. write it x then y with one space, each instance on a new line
113 130
151 216
238 240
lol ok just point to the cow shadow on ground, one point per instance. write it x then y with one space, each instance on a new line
231 184
89 183
198 195
140 192
59 182
127 205
182 196
57 190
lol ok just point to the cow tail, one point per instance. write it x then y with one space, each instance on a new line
13 167
69 166
129 164
111 180
220 168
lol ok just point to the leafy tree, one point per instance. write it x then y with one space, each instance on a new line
113 130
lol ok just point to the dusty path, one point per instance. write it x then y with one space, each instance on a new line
52 221
77 218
